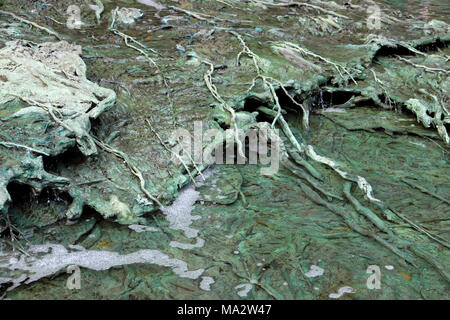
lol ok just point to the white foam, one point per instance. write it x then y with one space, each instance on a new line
179 213
341 292
76 247
13 260
246 287
54 257
314 271
389 267
206 174
187 246
48 259
417 144
337 110
139 228
206 283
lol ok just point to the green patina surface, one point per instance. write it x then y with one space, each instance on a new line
378 107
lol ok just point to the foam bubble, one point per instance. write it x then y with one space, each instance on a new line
245 289
139 228
179 213
206 283
341 292
314 271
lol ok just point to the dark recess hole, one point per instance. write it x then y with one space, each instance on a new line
71 157
89 212
400 50
48 195
93 105
19 192
100 98
286 102
25 201
97 125
431 114
433 46
251 104
222 124
324 99
22 194
390 51
4 286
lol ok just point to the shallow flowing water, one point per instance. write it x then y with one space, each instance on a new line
237 234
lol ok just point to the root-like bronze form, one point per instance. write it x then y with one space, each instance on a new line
292 46
300 4
425 68
53 33
215 93
362 183
301 146
7 144
134 170
203 17
268 81
142 49
354 225
176 154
